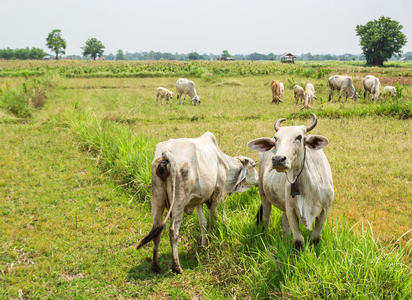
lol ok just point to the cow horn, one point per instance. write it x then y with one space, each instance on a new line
277 124
314 122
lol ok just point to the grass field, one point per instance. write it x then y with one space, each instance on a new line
75 188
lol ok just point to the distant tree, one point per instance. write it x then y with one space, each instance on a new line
193 56
93 47
225 54
380 39
56 43
120 55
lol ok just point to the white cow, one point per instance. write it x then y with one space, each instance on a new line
309 96
299 93
342 84
389 90
282 89
187 87
187 173
371 85
294 176
163 93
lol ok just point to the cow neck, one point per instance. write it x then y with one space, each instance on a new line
301 169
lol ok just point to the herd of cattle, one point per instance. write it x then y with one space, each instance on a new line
340 83
294 173
294 176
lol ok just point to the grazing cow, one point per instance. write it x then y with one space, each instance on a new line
163 93
309 96
187 87
187 173
342 84
299 93
294 176
281 90
276 92
389 90
371 85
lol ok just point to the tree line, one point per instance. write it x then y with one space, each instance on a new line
380 39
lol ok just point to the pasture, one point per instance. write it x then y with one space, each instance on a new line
75 184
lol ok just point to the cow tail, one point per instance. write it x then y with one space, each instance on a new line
259 215
156 231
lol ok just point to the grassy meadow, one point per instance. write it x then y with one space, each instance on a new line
75 183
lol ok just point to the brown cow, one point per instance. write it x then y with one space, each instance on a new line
276 92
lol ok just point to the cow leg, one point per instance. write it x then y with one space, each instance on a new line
294 224
157 220
285 225
267 210
174 239
157 98
202 224
320 221
184 98
340 94
215 200
330 95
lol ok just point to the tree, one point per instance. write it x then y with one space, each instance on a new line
120 55
194 56
380 39
225 54
93 47
56 43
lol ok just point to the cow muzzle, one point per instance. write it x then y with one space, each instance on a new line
279 163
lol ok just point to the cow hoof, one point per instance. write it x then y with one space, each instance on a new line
177 270
298 245
155 268
315 241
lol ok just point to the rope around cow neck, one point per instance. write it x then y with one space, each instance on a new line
303 165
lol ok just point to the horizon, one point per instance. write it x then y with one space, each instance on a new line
237 26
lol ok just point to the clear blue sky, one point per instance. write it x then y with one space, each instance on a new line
318 26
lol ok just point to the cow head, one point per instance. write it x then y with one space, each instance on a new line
248 176
287 146
355 96
169 95
195 100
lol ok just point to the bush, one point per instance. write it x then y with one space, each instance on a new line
32 93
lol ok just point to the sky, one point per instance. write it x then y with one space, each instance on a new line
242 27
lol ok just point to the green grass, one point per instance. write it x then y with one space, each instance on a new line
74 195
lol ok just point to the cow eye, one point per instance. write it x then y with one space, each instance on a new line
299 138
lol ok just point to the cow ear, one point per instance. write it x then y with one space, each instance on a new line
261 144
316 142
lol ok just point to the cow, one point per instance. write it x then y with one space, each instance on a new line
281 90
299 93
294 176
342 84
187 87
276 92
309 96
389 90
186 173
371 85
163 93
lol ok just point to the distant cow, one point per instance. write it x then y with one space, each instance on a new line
187 87
343 84
276 92
299 93
187 173
163 93
282 89
294 176
389 90
309 96
371 85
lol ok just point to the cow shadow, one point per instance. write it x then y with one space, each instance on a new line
142 271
